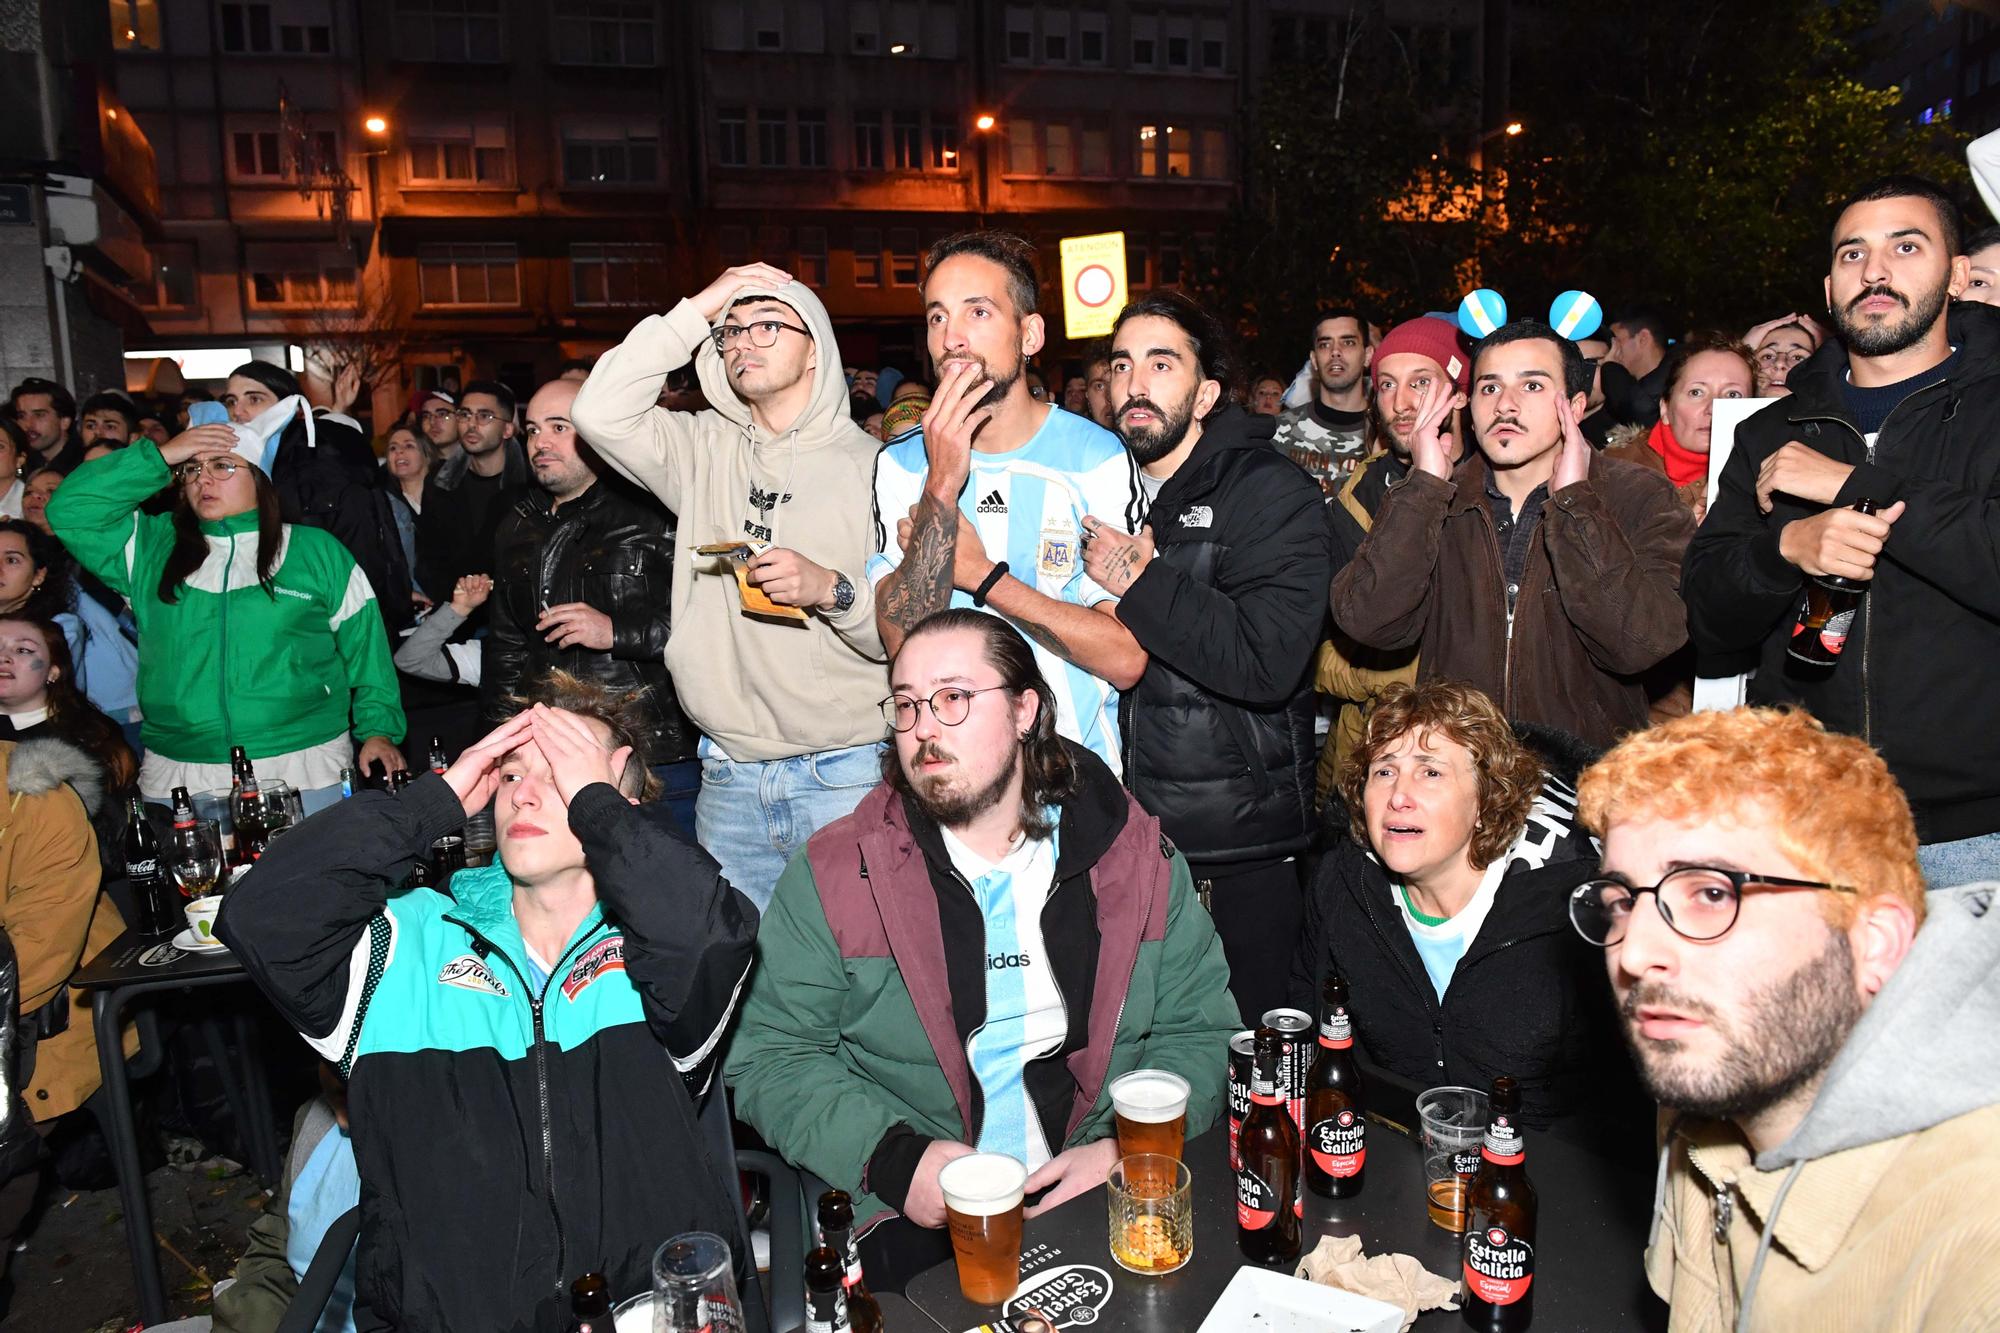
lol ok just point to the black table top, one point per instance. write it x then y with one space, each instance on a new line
1589 1248
151 960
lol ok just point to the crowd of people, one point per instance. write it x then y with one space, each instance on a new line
912 754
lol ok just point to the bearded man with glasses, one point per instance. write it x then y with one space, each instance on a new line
1818 1033
968 960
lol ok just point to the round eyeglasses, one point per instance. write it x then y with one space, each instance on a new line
216 469
1698 902
950 706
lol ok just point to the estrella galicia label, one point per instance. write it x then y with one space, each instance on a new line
607 955
1069 1296
469 972
1499 1267
1257 1203
1339 1143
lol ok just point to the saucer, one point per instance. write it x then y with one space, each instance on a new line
187 943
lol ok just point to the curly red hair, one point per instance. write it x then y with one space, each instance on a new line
1828 800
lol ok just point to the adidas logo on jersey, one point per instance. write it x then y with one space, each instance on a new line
994 503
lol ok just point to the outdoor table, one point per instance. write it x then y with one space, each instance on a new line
133 966
899 1315
1589 1247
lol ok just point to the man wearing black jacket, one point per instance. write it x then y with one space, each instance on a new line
1225 590
1902 409
525 1053
581 573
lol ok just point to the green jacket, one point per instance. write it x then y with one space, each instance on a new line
229 662
851 1054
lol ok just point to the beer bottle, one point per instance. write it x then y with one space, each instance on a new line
1336 1147
1267 1182
1828 614
826 1291
836 1231
438 762
589 1305
183 808
1500 1224
158 914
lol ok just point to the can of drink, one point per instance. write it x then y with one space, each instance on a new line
1295 1030
1242 1048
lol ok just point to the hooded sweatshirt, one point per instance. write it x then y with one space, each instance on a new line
760 688
1881 1212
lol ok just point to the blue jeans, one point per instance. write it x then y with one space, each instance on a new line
1966 861
752 816
678 784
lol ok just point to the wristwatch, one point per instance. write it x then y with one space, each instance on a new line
843 593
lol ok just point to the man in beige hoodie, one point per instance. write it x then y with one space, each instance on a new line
1817 1031
789 703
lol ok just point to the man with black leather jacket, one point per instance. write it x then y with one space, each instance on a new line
581 577
1225 590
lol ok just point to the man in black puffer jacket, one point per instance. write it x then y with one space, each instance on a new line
581 576
1225 589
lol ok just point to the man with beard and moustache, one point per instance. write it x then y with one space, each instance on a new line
1816 1029
1900 409
46 412
1223 589
1328 435
1415 357
993 470
581 580
1536 570
969 959
456 530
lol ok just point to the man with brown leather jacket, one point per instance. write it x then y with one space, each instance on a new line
1537 570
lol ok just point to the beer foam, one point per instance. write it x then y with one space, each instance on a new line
983 1184
1150 1096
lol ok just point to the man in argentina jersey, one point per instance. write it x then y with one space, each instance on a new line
984 505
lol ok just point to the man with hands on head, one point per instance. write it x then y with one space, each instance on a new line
1900 408
1537 571
792 736
995 487
562 1008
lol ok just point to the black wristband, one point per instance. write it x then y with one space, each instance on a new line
999 572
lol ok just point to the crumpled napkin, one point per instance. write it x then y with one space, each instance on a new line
1337 1261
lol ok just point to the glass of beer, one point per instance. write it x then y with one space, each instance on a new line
1454 1121
982 1204
1151 1198
1151 1106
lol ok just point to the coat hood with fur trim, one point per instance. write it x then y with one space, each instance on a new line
41 765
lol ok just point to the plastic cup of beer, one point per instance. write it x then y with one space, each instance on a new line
1454 1126
1151 1198
1151 1106
982 1204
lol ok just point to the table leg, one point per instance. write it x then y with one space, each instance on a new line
226 1073
124 1146
260 1134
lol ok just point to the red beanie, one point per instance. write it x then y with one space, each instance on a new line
1435 338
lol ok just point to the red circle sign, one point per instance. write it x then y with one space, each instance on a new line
1094 285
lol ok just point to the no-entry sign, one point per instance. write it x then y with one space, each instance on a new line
1093 277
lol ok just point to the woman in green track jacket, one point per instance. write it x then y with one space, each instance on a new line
253 632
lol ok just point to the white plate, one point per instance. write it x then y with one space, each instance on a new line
1258 1299
187 943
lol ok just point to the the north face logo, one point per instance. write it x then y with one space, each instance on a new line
994 503
1198 516
468 972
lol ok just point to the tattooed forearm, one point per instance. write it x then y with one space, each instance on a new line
923 584
1046 637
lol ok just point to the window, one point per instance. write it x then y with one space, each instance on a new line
617 274
135 26
468 275
1020 34
460 155
864 27
732 137
944 141
1095 160
906 135
867 141
733 243
811 265
246 28
1145 41
1180 154
1180 43
1146 152
1135 262
767 26
448 31
1170 264
1055 38
606 32
1059 151
1214 155
771 149
298 276
610 154
173 284
254 155
812 140
1021 148
775 244
1214 45
1091 40
867 257
903 257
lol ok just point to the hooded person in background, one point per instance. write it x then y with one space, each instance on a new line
788 702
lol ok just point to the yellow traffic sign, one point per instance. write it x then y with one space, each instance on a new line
1093 279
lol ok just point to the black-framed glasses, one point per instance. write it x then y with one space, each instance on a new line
218 469
761 332
1698 902
950 706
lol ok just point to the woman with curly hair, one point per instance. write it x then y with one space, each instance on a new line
1445 906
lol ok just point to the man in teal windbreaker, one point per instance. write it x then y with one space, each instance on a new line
969 959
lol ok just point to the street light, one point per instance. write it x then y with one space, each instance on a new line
1513 127
984 122
376 125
